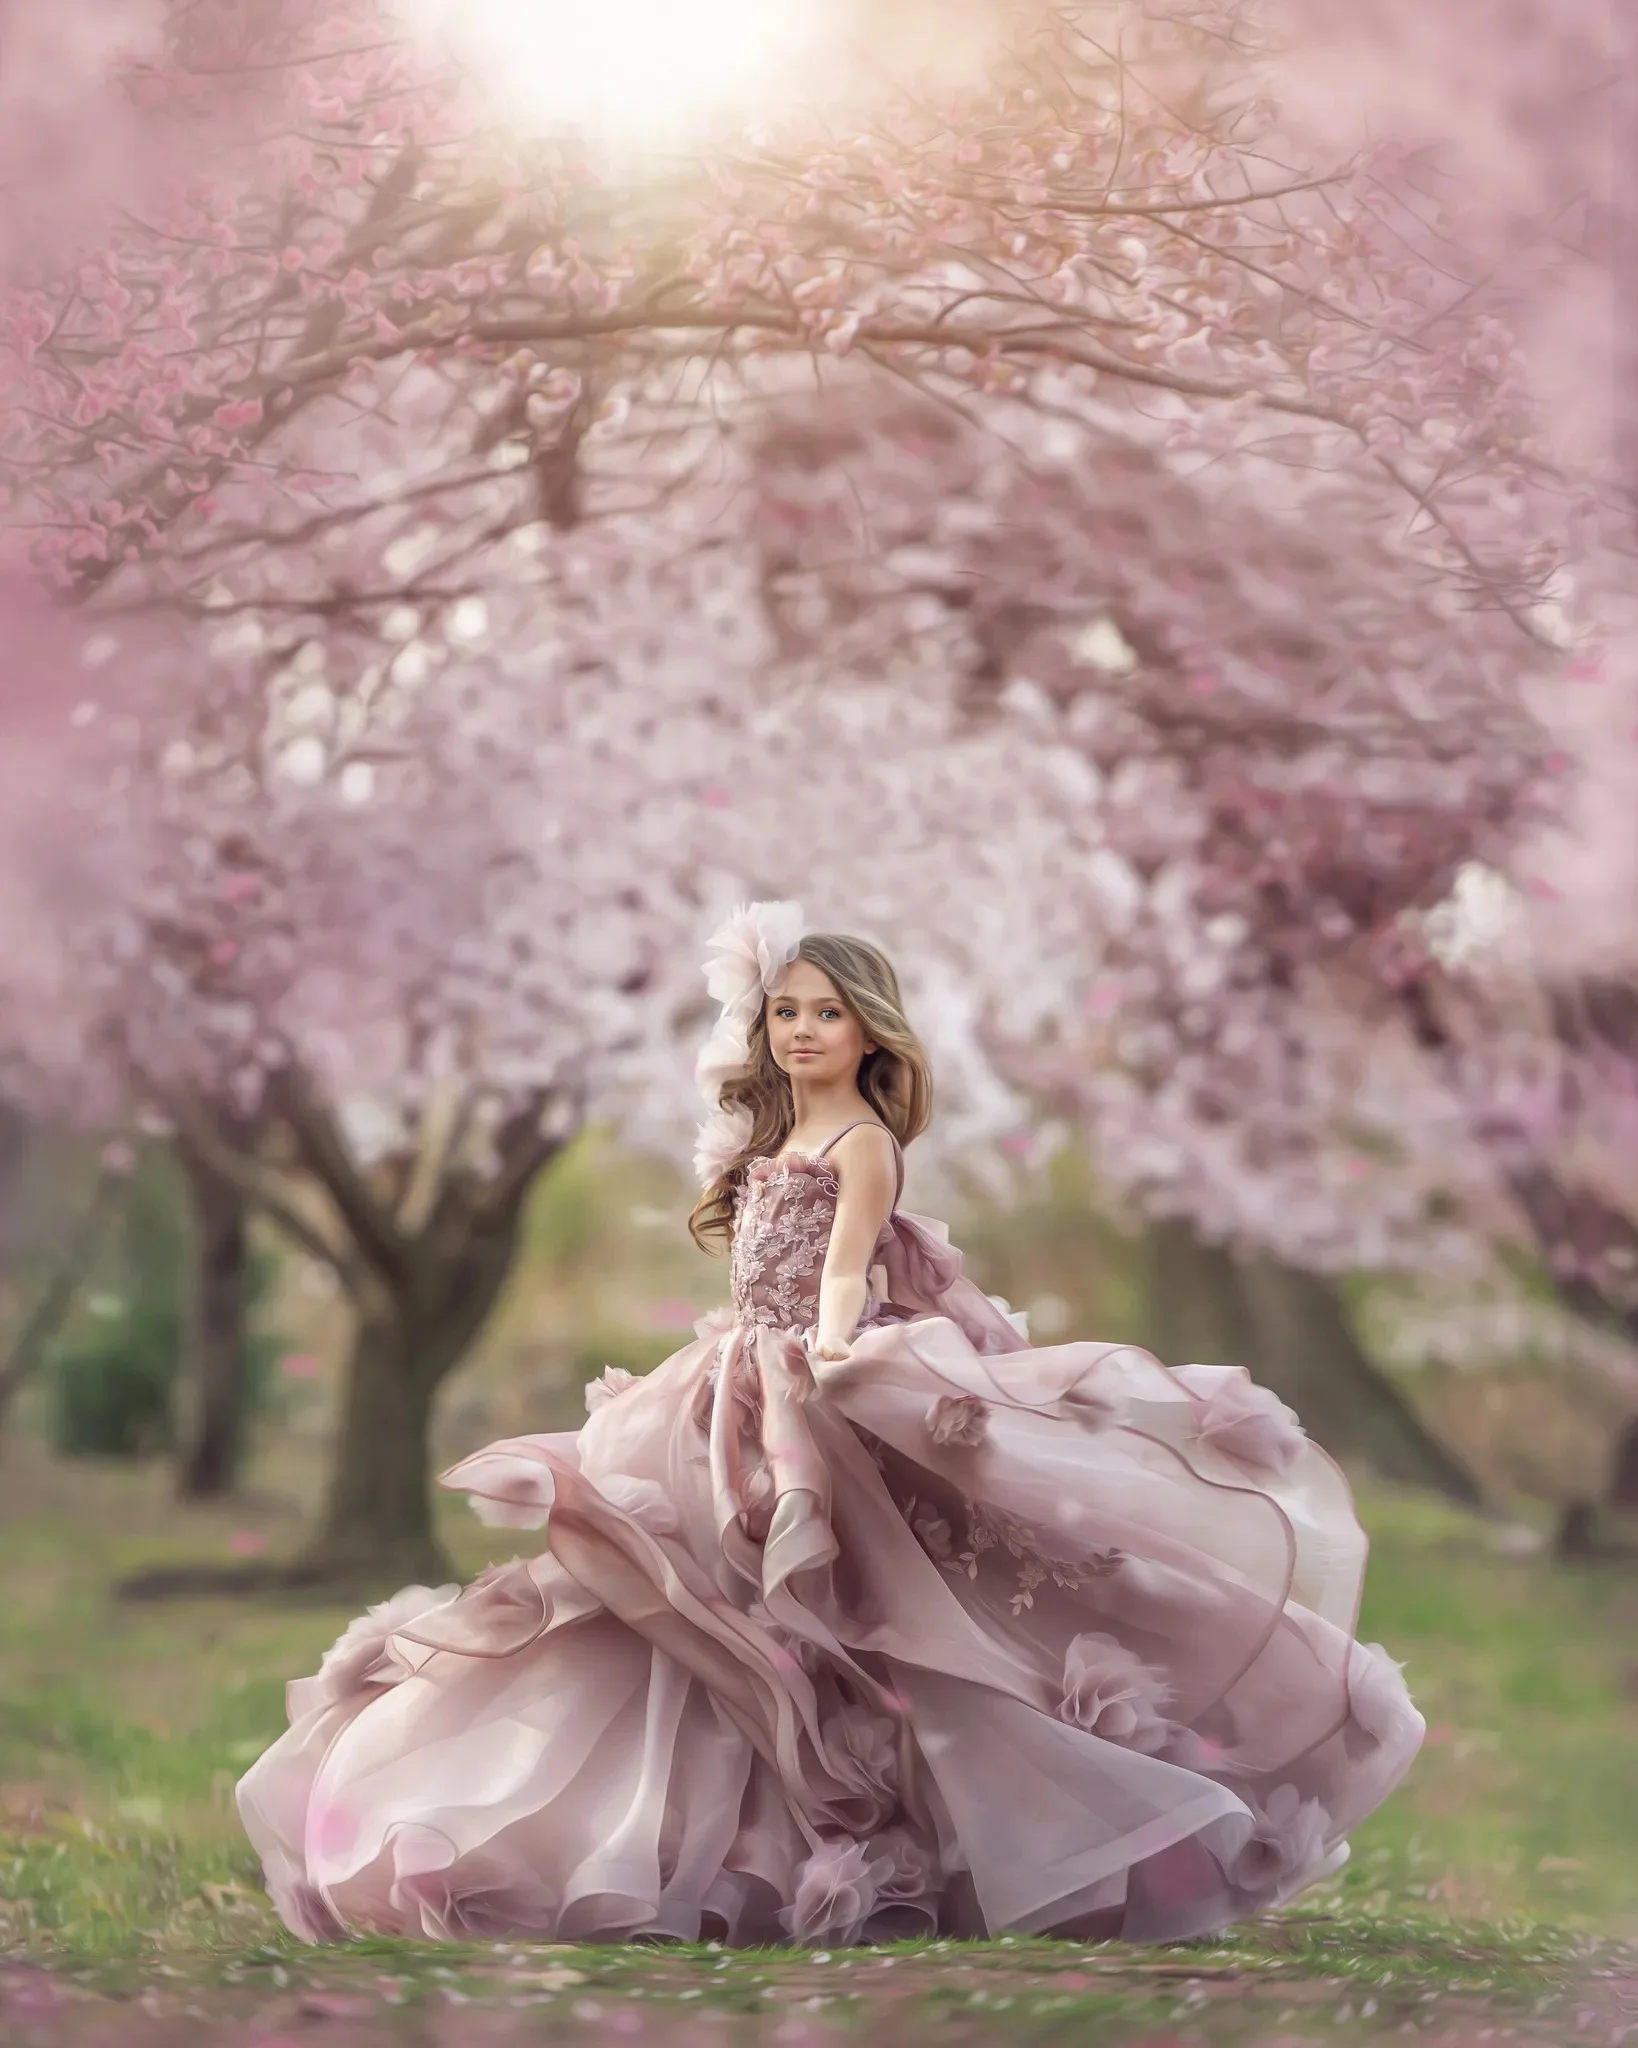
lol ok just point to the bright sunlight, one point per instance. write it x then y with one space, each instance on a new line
636 70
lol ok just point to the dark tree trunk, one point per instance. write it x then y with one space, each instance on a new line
1196 1308
378 1518
213 1410
377 1527
1623 1487
56 1298
1291 1332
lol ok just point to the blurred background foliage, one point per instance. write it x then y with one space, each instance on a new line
1527 1402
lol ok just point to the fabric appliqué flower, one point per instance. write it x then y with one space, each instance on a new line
1241 1419
961 1419
612 1381
836 1892
931 1530
1112 1693
907 1893
362 1654
1378 1699
1287 1843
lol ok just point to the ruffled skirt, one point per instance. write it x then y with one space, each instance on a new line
1050 1641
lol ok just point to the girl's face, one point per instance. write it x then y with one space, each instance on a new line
813 1035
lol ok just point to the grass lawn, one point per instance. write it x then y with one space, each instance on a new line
1495 1899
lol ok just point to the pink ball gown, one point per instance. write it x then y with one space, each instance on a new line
956 1634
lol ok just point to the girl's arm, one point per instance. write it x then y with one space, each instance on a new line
867 1176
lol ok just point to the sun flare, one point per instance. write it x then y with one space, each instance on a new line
636 70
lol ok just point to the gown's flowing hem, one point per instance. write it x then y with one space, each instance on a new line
951 1635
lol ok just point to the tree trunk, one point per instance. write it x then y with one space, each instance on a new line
51 1309
377 1527
1196 1307
378 1517
214 1384
1313 1361
1291 1332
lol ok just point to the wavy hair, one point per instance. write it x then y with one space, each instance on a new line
896 1079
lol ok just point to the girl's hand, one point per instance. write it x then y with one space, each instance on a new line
832 1349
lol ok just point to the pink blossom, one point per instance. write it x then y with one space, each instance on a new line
300 1365
333 2005
247 1543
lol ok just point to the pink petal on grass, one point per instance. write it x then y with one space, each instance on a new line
333 2005
300 1365
247 1543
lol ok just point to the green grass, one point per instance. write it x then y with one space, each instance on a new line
1495 1881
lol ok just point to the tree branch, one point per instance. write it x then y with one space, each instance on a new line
324 1153
196 1131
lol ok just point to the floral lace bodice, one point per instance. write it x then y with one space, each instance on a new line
782 1221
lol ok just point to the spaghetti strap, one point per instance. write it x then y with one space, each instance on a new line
874 1123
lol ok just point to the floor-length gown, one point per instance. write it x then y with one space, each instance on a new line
956 1634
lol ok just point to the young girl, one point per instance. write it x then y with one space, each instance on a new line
858 1617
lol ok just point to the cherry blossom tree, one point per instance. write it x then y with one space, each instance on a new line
1213 474
375 914
1298 763
1110 200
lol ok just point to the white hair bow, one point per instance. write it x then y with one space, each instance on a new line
746 961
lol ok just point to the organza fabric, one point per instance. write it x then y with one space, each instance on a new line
956 1635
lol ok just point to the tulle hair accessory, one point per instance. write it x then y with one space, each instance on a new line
745 961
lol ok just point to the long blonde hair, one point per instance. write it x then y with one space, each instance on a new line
896 1079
